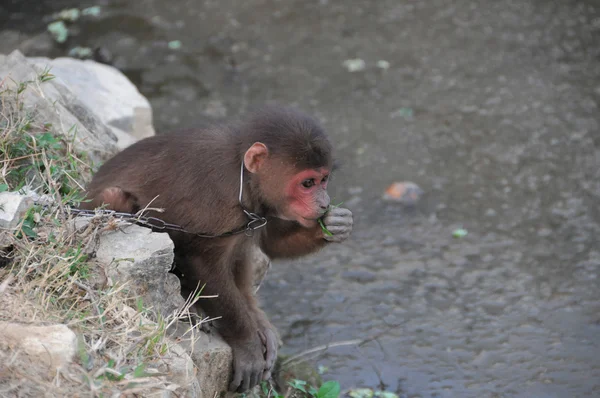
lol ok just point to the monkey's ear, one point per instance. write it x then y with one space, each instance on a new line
255 156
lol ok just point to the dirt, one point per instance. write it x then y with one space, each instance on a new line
491 107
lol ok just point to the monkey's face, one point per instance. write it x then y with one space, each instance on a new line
288 192
305 196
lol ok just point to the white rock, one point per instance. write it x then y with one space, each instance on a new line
142 258
13 207
55 104
54 345
108 93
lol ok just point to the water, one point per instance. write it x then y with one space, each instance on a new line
490 106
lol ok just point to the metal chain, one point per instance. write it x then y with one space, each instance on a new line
253 224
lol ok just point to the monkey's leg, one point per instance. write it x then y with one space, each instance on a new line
237 321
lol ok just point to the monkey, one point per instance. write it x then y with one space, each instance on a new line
260 182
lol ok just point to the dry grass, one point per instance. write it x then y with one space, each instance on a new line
51 278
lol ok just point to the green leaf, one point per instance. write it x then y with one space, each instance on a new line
460 233
330 389
324 228
3 187
140 370
265 387
298 385
27 230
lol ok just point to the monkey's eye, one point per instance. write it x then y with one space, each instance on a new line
308 183
325 179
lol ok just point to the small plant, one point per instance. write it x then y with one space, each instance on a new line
329 389
32 152
301 388
28 224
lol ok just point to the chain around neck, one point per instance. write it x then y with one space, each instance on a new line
256 221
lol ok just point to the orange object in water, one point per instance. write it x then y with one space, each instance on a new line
404 192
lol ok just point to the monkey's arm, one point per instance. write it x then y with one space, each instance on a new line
287 240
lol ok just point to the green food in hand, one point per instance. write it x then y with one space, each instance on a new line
323 227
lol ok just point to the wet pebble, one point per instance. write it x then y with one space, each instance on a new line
390 241
493 307
490 213
359 276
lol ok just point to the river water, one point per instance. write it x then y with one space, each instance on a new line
490 106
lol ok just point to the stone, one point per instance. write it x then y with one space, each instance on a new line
261 264
13 207
55 345
142 258
211 355
175 366
53 102
115 100
182 371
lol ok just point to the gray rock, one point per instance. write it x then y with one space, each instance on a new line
54 345
262 264
116 101
13 207
211 355
142 258
182 371
53 102
176 367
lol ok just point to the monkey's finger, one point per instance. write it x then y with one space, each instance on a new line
339 229
335 219
266 375
339 211
271 354
341 216
255 377
237 379
247 378
336 238
263 339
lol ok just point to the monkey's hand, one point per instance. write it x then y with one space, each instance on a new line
249 364
338 222
253 360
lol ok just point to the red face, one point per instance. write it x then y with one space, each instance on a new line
306 196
